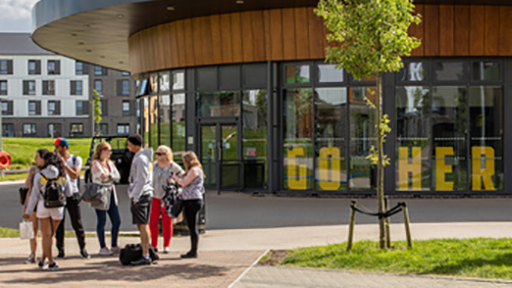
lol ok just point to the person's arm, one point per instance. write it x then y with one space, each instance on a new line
141 178
191 175
114 174
73 172
34 197
30 178
97 171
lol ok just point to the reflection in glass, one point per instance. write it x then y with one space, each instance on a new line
298 134
209 154
255 138
145 120
449 129
362 137
486 71
486 137
218 104
328 73
412 72
230 165
178 126
153 122
164 111
449 71
164 82
295 74
330 138
413 138
178 78
153 83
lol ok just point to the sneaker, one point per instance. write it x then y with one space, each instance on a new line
61 254
31 259
53 266
142 261
105 252
167 250
84 253
189 255
42 265
116 250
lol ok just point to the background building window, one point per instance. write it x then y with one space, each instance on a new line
104 128
76 87
123 87
123 128
54 130
53 107
79 68
100 71
7 107
126 108
98 86
34 67
29 87
104 107
29 129
8 130
76 129
125 73
82 108
5 67
53 67
49 87
34 108
3 87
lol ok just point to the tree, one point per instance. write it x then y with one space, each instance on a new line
97 111
372 37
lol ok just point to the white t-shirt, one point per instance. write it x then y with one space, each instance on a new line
78 163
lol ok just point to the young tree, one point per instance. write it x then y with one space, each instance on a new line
372 37
97 111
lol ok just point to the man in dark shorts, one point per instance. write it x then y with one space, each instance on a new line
141 192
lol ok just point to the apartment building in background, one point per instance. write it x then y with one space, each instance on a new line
43 94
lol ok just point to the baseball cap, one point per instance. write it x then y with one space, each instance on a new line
63 142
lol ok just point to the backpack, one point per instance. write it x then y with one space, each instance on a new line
53 193
133 252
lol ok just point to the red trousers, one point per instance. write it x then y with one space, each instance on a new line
156 210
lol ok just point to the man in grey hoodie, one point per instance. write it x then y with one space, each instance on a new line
141 192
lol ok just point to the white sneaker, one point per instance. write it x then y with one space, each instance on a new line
31 259
105 252
167 250
115 250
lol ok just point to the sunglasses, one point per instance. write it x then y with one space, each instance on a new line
159 154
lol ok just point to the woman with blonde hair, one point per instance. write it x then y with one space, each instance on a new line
163 170
192 196
104 172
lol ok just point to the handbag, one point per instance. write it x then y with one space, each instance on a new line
23 195
95 193
173 203
26 230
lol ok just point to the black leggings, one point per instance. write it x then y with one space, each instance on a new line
191 211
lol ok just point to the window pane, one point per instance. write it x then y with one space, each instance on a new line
449 129
255 138
413 138
153 122
178 80
295 74
298 139
330 138
412 72
218 104
178 126
328 73
164 110
145 120
362 137
165 82
449 71
486 71
486 132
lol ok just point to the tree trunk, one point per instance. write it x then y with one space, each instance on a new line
380 167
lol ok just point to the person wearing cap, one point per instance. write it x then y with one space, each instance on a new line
140 190
72 166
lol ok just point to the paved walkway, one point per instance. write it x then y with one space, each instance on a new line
227 256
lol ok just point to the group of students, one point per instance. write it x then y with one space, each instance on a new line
147 180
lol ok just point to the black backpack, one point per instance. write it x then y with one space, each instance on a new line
133 252
53 193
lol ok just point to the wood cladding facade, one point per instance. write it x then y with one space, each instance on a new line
298 34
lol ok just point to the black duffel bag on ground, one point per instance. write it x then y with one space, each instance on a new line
133 252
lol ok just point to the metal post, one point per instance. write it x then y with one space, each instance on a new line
351 225
407 226
386 223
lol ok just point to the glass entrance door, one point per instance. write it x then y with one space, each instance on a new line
220 156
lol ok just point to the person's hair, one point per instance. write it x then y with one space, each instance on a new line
190 161
52 158
135 139
167 150
99 148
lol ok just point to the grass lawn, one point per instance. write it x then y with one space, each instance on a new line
480 257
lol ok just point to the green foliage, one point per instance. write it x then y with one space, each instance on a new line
372 33
97 111
480 257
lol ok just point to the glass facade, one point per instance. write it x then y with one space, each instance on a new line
314 131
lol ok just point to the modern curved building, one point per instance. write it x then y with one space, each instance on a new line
243 83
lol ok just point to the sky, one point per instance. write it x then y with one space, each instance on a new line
16 15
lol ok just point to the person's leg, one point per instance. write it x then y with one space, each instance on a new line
167 228
59 235
191 211
153 221
140 214
101 217
144 237
76 220
33 242
115 219
54 227
46 235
